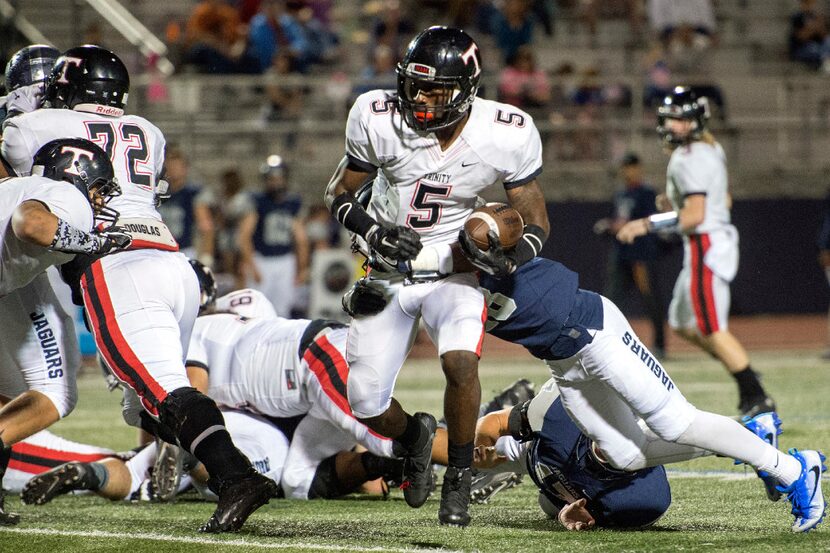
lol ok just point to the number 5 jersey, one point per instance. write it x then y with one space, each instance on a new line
430 190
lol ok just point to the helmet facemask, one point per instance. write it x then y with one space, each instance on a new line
100 191
696 112
453 98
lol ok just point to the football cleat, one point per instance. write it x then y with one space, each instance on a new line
766 426
237 500
749 407
6 518
805 493
167 471
419 480
46 486
455 497
487 484
520 391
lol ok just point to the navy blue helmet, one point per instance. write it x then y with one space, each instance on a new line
439 60
30 65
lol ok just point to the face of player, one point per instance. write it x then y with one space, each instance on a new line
429 98
679 127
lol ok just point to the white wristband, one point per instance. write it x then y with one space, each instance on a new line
669 221
434 259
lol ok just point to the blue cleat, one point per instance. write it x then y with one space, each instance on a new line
766 426
805 493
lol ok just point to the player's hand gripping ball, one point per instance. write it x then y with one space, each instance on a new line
500 218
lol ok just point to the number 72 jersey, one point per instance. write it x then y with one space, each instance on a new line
430 190
135 147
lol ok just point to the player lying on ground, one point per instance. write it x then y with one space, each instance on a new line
608 380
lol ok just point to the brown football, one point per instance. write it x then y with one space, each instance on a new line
503 219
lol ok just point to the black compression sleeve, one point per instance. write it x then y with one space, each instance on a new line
351 214
530 244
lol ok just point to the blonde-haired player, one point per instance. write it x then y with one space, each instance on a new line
697 188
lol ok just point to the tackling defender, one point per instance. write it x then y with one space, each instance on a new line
141 326
430 148
697 187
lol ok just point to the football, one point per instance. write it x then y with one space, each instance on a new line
501 218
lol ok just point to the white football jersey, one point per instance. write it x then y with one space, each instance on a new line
430 190
20 262
248 303
135 146
700 168
253 364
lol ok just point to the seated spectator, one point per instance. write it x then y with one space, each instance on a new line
273 30
214 39
522 84
809 42
321 43
380 74
284 101
391 29
692 17
512 27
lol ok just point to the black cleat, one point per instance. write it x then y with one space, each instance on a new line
237 500
455 497
6 518
65 478
419 480
167 471
487 484
749 407
518 392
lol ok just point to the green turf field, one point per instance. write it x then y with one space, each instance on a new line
715 507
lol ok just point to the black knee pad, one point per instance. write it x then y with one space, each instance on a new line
325 485
187 413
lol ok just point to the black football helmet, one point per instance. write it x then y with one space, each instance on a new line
438 59
207 284
86 78
85 165
30 65
682 103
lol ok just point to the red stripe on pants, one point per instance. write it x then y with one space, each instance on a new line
109 327
56 454
483 325
702 290
318 367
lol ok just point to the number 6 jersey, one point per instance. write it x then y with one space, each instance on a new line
135 146
433 191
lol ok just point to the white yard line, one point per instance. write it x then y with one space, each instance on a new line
208 541
718 474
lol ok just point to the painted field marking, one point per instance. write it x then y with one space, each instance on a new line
207 541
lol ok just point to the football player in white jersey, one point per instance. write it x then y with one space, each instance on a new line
432 147
283 368
697 187
141 304
44 220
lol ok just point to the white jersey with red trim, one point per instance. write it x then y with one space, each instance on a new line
21 262
433 191
700 168
248 303
135 146
257 365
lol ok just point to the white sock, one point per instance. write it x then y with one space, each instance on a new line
727 437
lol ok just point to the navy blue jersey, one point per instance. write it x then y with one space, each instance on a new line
542 308
177 214
274 234
824 230
630 204
560 464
